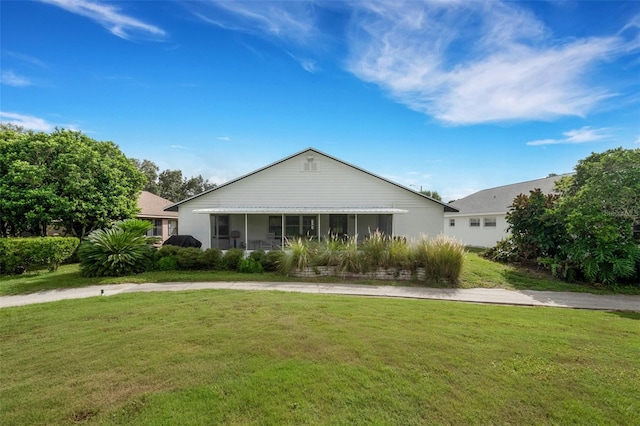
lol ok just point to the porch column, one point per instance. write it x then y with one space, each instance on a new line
318 224
356 229
246 234
282 236
393 226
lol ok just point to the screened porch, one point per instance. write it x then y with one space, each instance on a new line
268 229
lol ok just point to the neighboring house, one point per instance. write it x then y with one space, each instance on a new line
152 208
481 217
306 194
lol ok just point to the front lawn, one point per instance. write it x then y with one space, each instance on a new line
229 357
477 272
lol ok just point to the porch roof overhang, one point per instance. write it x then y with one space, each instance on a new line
300 210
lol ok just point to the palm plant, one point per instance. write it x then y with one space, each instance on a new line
117 251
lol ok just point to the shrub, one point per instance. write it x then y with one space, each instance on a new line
297 255
167 263
258 255
188 257
168 250
211 258
232 258
272 260
250 266
18 255
114 252
506 251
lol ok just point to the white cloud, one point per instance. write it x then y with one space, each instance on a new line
309 65
476 62
224 138
27 59
9 78
178 147
27 121
638 140
583 135
293 21
459 61
110 17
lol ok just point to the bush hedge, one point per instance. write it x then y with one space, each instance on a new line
18 255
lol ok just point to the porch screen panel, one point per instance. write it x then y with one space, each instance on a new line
292 225
275 226
385 224
308 226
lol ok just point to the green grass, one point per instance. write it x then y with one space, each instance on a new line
477 272
239 358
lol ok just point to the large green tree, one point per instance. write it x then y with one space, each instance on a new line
588 230
63 176
600 205
171 184
150 171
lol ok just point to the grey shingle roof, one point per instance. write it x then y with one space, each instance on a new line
498 199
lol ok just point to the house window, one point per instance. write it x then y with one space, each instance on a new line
474 222
173 227
156 231
452 222
275 226
490 222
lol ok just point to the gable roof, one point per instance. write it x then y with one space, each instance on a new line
174 207
497 200
152 205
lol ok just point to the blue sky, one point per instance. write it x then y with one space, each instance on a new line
453 96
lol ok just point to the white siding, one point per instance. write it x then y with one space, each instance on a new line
332 184
481 236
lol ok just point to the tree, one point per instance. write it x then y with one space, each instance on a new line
534 227
170 184
588 229
432 194
600 205
150 170
63 176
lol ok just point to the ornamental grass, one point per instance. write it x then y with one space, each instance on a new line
441 257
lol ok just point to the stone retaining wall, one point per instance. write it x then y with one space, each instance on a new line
378 274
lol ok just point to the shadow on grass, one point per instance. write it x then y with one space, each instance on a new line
33 282
627 314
